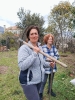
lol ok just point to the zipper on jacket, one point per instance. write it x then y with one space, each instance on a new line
40 67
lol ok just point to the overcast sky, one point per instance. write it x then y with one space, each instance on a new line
9 9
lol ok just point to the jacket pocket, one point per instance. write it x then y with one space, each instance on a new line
30 75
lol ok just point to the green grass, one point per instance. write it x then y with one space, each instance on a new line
10 88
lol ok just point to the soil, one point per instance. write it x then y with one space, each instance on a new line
3 69
70 61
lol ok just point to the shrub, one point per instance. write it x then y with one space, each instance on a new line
12 48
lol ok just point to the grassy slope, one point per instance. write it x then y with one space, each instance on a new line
10 88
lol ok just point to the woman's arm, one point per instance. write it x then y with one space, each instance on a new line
25 60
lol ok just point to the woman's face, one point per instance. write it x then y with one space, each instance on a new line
50 41
33 36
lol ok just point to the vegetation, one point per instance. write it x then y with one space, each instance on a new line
60 17
9 40
27 19
61 23
10 88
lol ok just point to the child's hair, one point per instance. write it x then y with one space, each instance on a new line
46 37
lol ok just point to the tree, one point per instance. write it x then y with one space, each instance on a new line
73 15
27 19
74 35
60 17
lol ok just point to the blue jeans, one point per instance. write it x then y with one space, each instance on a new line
31 91
44 82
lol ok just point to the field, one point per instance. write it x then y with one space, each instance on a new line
10 88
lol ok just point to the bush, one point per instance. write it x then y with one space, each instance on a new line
12 41
3 42
12 48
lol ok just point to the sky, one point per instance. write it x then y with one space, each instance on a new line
9 9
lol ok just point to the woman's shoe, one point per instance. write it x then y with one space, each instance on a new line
52 93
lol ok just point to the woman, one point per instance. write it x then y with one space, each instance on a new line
51 50
31 62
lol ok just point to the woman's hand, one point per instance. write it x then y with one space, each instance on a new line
52 64
36 49
48 59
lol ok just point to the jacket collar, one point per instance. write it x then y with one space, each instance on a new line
38 43
47 46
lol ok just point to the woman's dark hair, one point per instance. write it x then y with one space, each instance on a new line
29 29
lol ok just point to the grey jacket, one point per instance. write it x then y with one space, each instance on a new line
31 65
